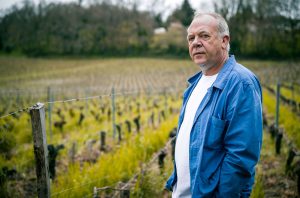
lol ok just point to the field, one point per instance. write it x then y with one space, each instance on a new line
135 102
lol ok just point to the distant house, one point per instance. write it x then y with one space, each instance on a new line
176 25
160 30
171 39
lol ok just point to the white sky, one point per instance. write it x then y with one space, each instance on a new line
167 5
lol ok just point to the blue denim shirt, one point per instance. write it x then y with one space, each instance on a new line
226 136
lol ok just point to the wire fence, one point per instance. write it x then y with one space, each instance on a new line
89 135
293 150
123 93
278 133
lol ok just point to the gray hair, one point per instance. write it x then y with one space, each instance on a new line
223 29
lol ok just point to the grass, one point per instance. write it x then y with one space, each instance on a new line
90 128
111 168
294 95
25 81
272 167
92 75
287 119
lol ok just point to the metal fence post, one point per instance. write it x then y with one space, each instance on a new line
50 99
113 112
277 105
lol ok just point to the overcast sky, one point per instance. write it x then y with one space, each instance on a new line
204 5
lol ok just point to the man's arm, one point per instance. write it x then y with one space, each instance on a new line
242 142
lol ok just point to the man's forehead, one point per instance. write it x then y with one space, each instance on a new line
203 22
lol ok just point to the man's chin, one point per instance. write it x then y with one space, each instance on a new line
199 61
204 67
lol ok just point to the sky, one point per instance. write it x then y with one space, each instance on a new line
204 5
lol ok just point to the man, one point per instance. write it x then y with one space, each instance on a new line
220 125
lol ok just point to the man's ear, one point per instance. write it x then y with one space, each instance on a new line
225 41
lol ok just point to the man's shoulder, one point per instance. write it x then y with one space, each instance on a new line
242 75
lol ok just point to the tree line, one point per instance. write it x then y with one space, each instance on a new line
263 28
71 29
259 29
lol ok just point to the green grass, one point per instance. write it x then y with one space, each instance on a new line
22 153
287 119
24 81
113 167
290 94
258 188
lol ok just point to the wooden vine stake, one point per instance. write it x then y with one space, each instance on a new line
37 113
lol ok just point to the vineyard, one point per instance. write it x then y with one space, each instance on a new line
109 125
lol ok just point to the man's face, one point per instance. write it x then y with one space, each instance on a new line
206 47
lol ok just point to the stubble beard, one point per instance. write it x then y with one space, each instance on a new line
205 67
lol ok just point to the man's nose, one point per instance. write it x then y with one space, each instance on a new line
197 42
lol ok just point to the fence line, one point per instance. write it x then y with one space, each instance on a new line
80 186
278 134
85 98
13 113
69 189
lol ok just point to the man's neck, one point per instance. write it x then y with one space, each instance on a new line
215 69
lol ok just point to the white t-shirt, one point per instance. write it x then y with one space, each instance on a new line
182 186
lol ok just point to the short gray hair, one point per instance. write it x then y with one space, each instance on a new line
223 29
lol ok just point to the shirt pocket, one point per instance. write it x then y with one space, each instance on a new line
214 136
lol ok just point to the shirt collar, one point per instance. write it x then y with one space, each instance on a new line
222 76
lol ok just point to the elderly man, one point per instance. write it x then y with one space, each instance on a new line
220 125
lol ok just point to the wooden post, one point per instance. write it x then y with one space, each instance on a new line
163 114
72 152
102 140
125 193
277 105
138 106
158 118
95 195
118 127
152 119
161 158
128 126
113 112
278 140
273 130
81 117
137 123
289 160
37 113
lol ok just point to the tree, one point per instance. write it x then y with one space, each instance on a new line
184 14
262 28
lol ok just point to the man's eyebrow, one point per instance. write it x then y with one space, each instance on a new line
200 32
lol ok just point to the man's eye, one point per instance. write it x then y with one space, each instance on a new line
191 39
205 36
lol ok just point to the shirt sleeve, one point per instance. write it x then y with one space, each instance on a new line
242 142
